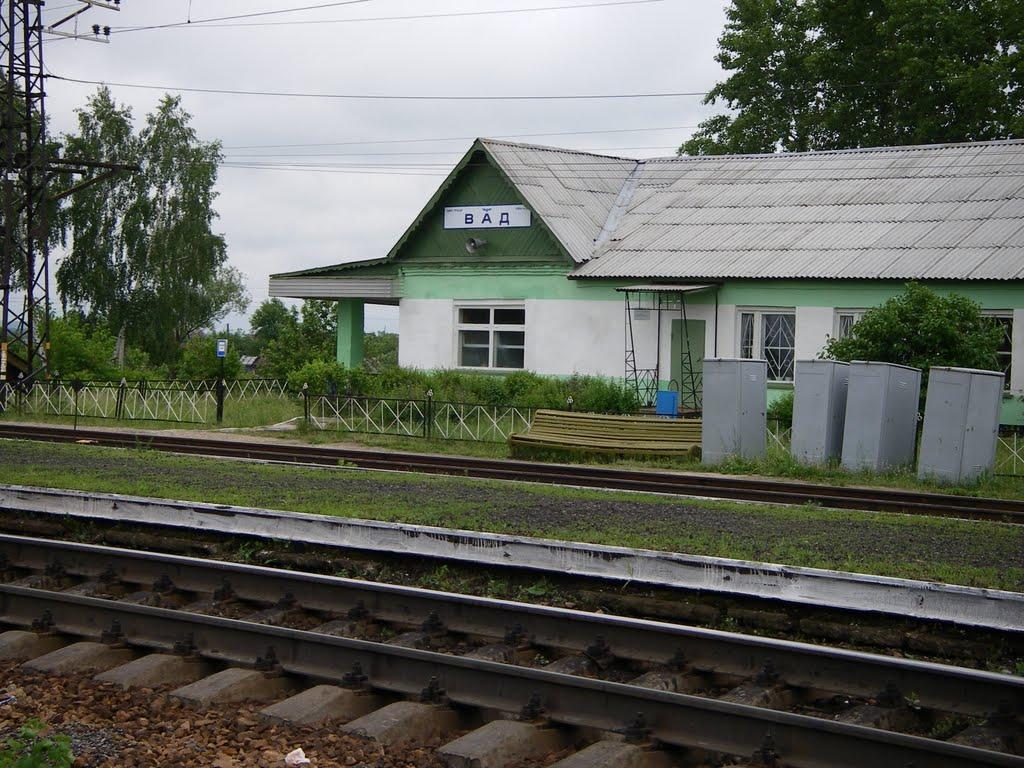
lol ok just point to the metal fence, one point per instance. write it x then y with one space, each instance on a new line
174 400
1009 446
110 401
1010 453
417 418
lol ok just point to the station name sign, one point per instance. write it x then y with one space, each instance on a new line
487 217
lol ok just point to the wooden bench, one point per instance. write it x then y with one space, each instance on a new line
597 433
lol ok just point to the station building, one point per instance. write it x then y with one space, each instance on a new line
563 262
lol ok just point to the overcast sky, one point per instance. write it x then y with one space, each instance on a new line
351 201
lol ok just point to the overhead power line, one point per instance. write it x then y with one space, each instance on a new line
387 96
252 15
359 142
412 17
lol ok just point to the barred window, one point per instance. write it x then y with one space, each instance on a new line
769 335
1005 352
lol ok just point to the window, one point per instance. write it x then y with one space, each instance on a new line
845 320
1005 351
769 335
491 337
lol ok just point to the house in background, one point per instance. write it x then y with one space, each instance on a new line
564 262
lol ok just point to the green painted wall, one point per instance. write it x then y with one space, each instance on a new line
518 281
350 332
480 184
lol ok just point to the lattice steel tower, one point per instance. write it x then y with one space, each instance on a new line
24 262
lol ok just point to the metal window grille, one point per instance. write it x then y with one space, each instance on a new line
778 345
1004 355
747 335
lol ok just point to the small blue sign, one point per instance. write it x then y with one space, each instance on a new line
222 347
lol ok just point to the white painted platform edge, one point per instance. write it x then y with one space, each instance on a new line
970 606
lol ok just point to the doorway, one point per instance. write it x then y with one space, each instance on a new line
687 366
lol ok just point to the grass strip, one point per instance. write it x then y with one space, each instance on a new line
976 553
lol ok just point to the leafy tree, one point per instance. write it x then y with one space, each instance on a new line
832 74
271 319
199 360
81 351
313 338
320 325
767 47
922 329
380 350
143 255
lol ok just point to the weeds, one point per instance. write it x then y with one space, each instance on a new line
35 747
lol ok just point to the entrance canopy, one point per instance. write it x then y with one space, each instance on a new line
685 371
658 288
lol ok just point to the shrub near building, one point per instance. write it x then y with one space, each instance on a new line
921 328
522 388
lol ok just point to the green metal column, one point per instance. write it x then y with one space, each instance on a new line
350 332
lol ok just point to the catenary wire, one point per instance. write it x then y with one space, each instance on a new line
412 17
457 138
254 14
385 96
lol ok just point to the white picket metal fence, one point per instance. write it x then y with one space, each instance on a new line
361 414
111 402
1010 454
417 418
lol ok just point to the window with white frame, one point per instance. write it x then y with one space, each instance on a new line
845 320
1004 353
769 334
491 337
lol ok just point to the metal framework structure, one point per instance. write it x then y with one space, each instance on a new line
26 184
646 381
24 263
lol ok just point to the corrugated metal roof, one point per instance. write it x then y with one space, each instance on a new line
951 211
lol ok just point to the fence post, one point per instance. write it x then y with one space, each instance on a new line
122 393
305 402
428 417
220 399
76 385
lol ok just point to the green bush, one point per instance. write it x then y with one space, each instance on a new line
781 409
521 388
34 747
921 328
79 350
321 376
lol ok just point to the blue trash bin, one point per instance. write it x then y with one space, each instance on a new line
666 403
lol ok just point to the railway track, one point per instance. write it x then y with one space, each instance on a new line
672 483
697 693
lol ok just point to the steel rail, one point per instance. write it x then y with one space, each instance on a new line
672 483
673 719
800 665
833 590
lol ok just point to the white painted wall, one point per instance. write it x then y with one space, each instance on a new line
586 337
426 333
813 327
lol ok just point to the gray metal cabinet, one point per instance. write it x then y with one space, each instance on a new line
819 410
734 408
961 424
881 416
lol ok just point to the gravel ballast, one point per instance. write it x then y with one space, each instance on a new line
110 727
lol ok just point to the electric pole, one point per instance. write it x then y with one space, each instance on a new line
28 170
